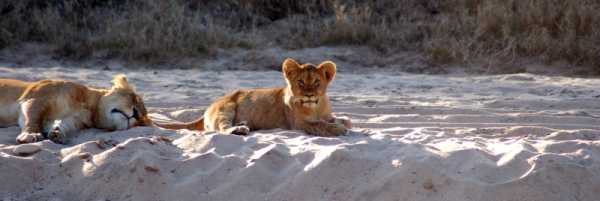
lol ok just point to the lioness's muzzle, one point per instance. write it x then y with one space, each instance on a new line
135 115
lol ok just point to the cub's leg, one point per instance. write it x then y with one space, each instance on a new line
31 120
221 118
322 128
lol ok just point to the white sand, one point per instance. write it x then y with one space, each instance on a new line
417 137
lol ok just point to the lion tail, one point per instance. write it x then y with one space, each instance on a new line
197 124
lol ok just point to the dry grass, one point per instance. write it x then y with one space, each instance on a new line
145 30
506 29
447 31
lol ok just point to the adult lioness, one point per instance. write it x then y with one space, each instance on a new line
302 105
55 109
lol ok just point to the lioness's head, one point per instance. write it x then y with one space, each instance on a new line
307 82
121 108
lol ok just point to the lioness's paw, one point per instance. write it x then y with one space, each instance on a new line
26 137
239 130
57 136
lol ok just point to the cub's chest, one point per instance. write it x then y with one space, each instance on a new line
308 113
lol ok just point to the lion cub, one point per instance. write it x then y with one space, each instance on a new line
55 109
303 104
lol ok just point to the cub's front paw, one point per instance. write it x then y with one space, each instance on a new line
344 121
338 129
57 136
239 130
26 137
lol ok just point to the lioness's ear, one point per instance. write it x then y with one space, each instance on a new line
329 68
120 82
289 67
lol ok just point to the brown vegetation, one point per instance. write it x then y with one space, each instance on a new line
449 31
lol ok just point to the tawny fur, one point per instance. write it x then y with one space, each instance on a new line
56 109
303 105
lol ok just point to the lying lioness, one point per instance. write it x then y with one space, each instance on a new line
302 105
55 109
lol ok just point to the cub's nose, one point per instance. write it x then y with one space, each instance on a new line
309 95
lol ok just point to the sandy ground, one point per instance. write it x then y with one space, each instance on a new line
417 137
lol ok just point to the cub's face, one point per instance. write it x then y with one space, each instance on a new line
308 83
121 108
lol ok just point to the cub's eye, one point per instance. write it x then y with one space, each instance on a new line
301 83
316 84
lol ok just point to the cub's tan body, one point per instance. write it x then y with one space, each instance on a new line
56 108
303 105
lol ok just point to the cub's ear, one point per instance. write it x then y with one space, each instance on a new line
329 68
120 82
289 67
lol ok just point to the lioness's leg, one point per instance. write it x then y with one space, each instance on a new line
63 128
223 120
31 120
